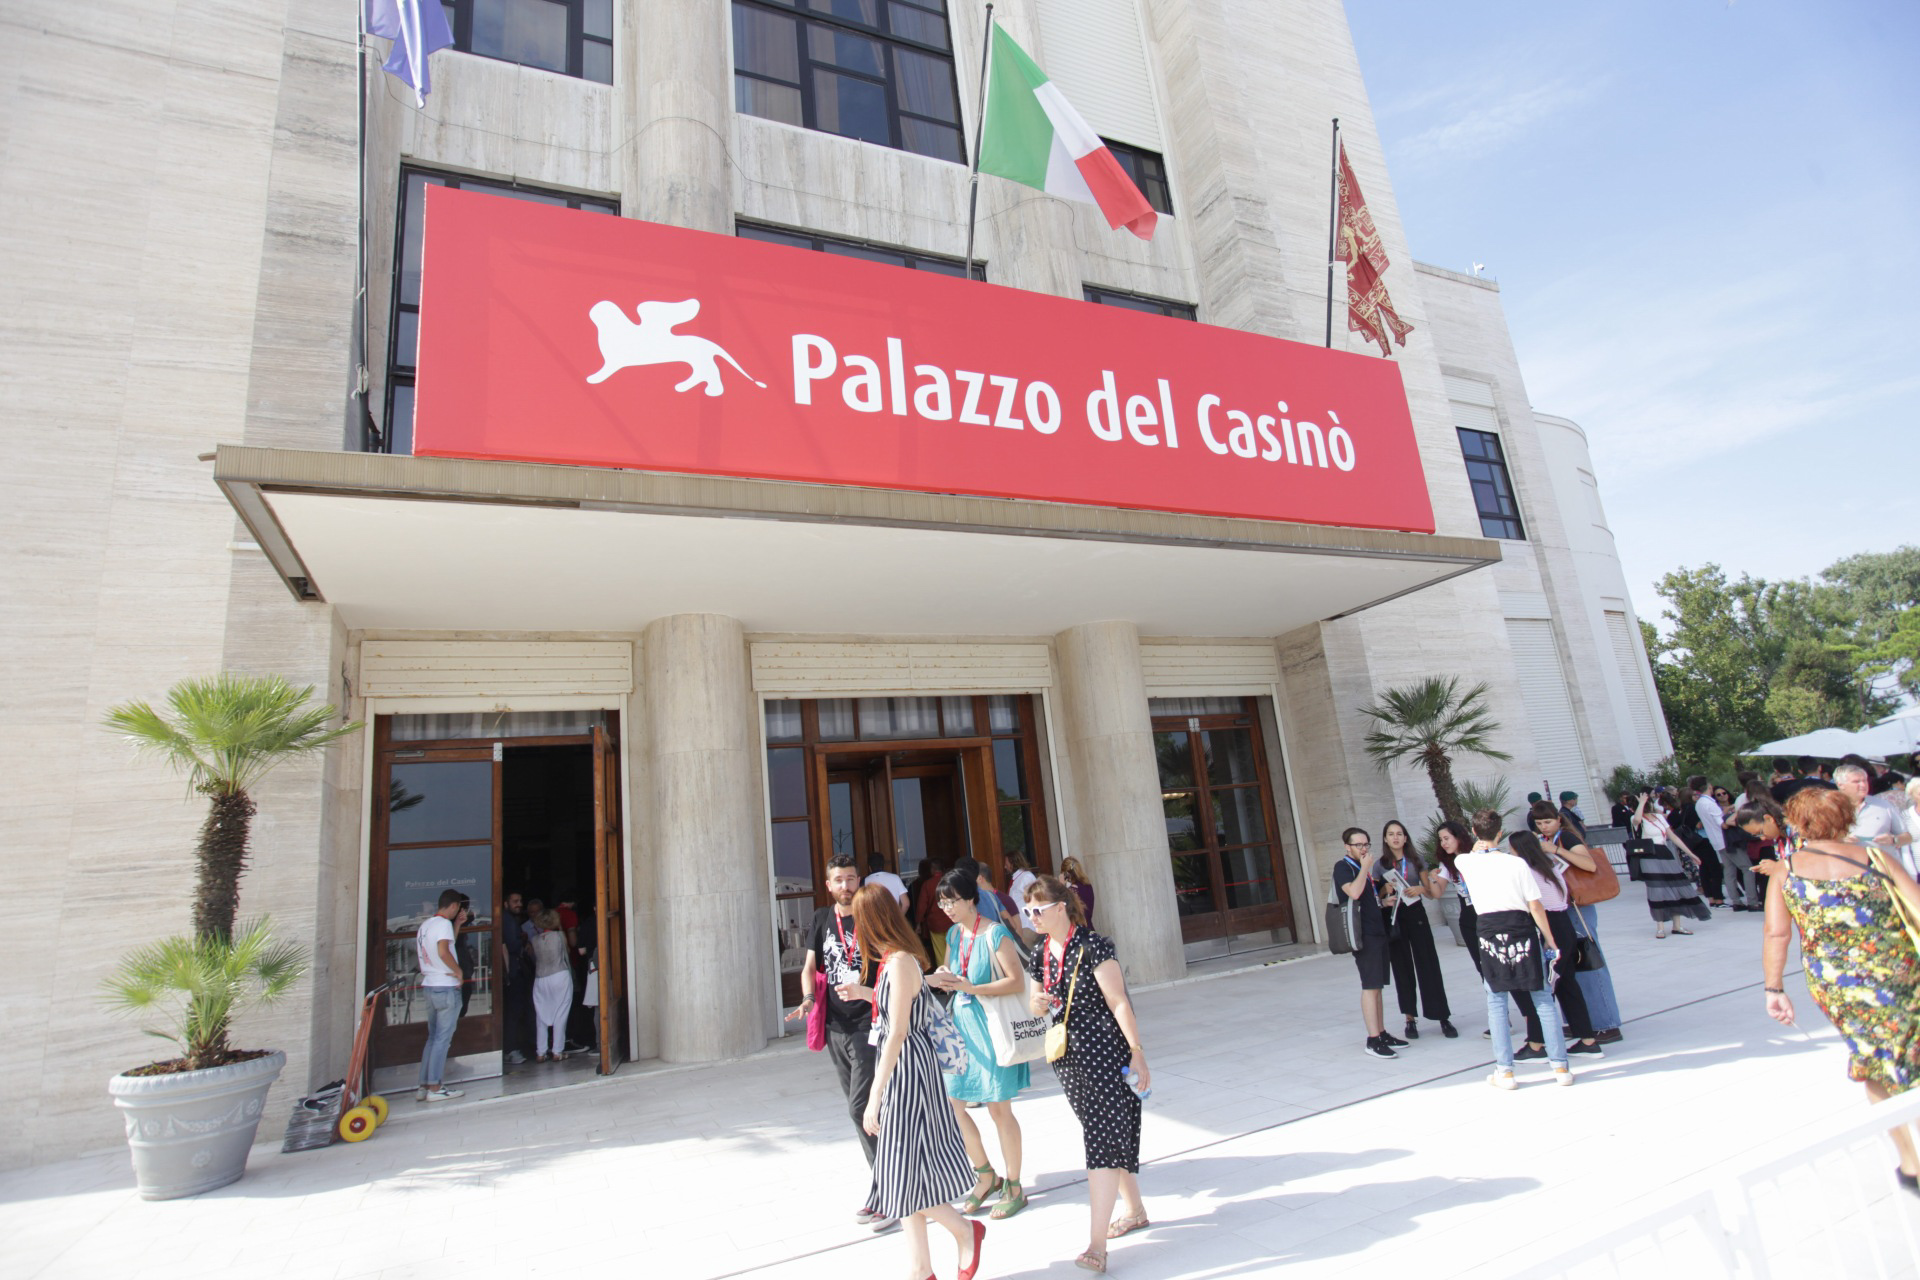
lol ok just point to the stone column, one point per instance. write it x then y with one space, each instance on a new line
712 962
1116 782
676 114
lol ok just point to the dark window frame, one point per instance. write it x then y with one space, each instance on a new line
401 376
806 16
1491 479
864 250
1148 169
1142 302
460 17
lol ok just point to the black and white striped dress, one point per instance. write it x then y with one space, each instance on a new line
920 1161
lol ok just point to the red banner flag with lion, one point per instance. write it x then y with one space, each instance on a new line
1369 309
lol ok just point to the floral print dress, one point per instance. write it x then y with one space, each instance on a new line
1862 971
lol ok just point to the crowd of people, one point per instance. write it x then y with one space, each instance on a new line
920 1043
918 989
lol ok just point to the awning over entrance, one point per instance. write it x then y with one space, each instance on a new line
442 544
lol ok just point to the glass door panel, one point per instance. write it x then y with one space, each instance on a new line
1217 803
436 818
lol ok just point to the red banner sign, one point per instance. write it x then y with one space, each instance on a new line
548 335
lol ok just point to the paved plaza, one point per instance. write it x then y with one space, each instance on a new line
1272 1143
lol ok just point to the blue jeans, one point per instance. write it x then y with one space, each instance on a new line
1597 985
1498 1021
443 1014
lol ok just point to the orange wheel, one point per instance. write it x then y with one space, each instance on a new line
378 1105
358 1124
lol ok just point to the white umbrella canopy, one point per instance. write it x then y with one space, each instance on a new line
1897 735
1825 744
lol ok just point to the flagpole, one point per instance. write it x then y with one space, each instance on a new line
362 383
1333 228
979 134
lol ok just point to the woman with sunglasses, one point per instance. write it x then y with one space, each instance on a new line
1083 989
982 963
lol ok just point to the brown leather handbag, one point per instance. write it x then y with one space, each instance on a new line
1597 885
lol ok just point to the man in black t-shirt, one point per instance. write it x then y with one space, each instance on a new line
1809 777
1353 877
832 967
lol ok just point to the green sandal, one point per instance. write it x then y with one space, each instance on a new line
1013 1198
978 1199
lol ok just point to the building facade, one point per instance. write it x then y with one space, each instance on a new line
669 696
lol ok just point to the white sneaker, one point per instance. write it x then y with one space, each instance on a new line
1503 1080
882 1224
1562 1076
420 1093
443 1094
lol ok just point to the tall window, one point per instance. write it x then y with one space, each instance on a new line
403 330
1140 302
877 70
1148 169
1492 485
572 37
856 249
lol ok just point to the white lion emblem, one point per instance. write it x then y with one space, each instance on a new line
626 345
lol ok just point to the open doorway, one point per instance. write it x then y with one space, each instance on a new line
511 822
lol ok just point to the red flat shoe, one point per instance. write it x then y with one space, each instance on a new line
979 1235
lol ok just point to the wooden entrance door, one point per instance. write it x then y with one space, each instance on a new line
610 900
1218 801
436 826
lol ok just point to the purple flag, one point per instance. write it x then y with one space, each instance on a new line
417 28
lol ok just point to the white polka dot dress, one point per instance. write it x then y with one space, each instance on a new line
1108 1111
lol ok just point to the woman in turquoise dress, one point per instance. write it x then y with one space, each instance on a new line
974 945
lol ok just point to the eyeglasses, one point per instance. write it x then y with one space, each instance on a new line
1359 844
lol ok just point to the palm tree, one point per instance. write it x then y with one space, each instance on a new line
1427 724
225 734
198 984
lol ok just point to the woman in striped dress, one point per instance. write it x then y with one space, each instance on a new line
920 1165
1672 896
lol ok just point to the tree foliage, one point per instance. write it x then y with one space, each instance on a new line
226 733
1747 661
1428 723
196 985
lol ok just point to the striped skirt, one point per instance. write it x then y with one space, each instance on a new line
919 1161
1671 892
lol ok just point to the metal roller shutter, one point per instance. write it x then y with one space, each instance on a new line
1543 689
1626 656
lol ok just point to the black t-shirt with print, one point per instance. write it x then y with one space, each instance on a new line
837 965
1372 920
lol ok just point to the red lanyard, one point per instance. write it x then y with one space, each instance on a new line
966 952
1060 972
851 950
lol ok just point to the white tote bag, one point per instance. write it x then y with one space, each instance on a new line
1018 1035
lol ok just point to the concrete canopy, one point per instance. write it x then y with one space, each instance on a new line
440 544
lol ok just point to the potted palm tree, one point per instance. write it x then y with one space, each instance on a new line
191 1119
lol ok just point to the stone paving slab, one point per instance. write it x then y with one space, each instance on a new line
1271 1142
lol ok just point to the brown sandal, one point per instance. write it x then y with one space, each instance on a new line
1127 1225
1091 1261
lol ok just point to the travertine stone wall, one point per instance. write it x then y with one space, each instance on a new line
705 840
1107 734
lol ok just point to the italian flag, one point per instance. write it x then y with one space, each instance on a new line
1034 136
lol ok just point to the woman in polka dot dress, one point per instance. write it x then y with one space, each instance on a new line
1076 966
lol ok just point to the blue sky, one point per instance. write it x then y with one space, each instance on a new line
1702 216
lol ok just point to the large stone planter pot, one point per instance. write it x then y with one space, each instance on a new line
191 1132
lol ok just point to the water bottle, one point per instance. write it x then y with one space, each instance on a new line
1132 1078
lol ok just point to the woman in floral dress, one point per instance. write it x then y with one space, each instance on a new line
1862 969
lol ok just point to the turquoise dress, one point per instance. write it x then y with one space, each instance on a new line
984 1080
